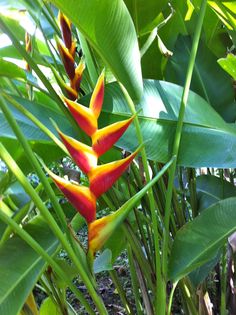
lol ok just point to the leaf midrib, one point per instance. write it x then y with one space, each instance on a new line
209 248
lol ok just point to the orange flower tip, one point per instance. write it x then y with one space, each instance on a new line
75 83
97 96
83 116
65 26
104 138
72 48
80 197
83 155
102 177
99 232
71 93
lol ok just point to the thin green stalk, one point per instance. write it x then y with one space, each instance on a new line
171 297
4 155
223 282
57 299
38 72
160 294
188 298
137 250
192 190
37 167
5 208
134 281
177 138
44 180
154 33
49 49
121 292
35 246
89 59
38 123
50 17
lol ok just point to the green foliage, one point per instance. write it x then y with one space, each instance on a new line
21 266
190 125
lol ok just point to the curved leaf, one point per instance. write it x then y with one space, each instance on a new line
20 266
211 189
206 139
11 70
145 14
108 27
229 65
209 80
198 241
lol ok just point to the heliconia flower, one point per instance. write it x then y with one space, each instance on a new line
65 25
83 155
97 96
75 82
28 42
66 89
67 59
103 139
71 93
99 232
102 177
28 48
72 48
83 116
80 197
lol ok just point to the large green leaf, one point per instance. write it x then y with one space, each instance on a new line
198 241
211 189
39 142
145 13
229 65
209 80
11 70
108 27
20 266
206 139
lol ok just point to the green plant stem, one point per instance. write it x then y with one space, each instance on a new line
8 210
53 225
192 190
134 281
121 292
89 59
137 250
188 298
171 297
223 282
41 126
177 138
61 303
35 246
44 180
160 294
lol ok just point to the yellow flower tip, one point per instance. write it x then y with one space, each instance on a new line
104 138
65 26
99 232
102 177
83 116
67 58
83 155
80 197
97 96
75 83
